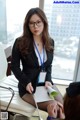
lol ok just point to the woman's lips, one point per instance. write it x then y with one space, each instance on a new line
36 31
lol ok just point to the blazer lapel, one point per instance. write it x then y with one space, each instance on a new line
34 58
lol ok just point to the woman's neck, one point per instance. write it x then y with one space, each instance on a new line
37 39
39 43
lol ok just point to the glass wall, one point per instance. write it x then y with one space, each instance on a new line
12 14
64 28
3 23
77 67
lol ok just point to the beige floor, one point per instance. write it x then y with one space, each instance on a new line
62 89
43 114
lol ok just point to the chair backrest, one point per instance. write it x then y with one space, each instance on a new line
3 62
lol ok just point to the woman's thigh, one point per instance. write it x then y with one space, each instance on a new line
42 105
59 97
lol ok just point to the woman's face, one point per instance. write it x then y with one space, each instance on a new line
36 25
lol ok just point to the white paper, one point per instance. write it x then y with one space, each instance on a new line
41 94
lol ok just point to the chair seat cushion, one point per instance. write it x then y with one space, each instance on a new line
17 104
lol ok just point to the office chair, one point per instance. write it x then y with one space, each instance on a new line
9 97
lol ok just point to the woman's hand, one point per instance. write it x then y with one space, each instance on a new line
29 88
61 113
52 109
47 83
56 110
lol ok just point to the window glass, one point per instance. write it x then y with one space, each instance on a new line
13 18
16 12
64 28
3 25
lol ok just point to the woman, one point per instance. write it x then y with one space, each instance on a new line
72 102
35 50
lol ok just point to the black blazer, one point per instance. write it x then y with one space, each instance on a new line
30 68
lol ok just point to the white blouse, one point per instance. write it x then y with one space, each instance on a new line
42 55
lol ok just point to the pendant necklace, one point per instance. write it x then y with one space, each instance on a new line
37 44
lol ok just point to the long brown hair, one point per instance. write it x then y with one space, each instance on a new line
72 103
25 42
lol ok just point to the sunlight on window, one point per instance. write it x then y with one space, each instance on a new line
59 19
64 28
16 11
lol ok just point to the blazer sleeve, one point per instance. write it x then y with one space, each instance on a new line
15 66
48 75
49 67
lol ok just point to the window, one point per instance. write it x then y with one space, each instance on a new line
12 17
64 28
77 66
3 26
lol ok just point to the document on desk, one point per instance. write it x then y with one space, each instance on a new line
41 94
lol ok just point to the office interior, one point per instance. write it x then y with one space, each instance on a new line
7 40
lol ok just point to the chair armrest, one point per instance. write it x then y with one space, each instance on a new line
12 91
